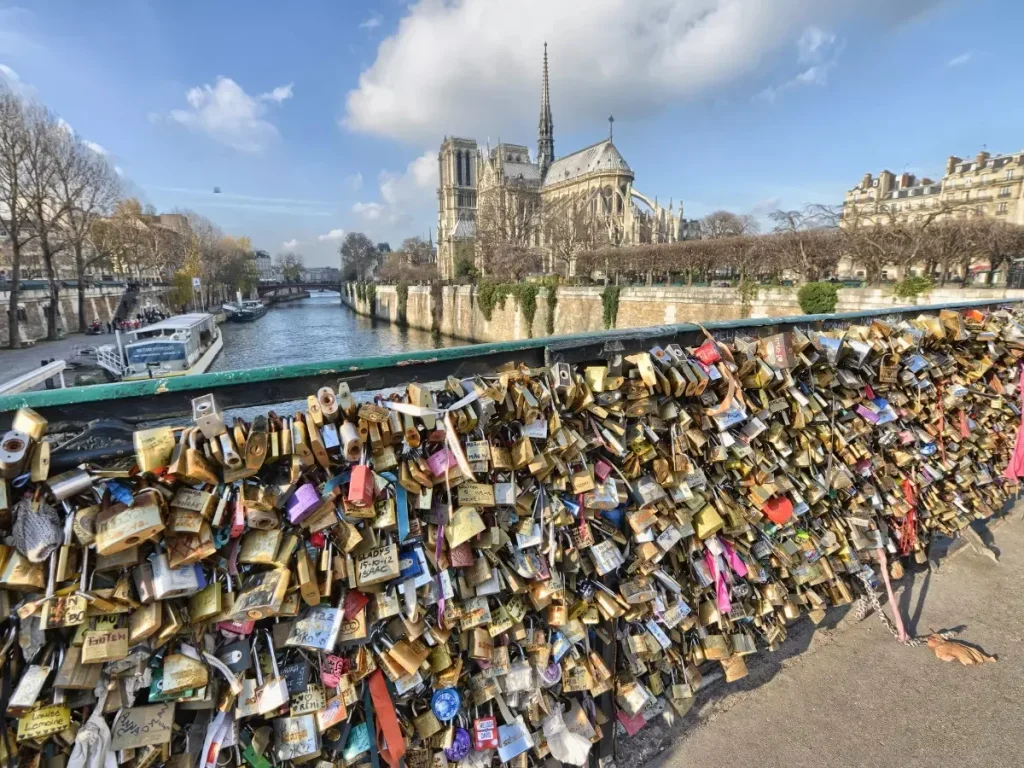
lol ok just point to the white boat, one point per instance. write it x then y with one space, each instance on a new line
176 346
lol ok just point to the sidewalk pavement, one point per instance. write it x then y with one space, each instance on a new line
847 694
15 362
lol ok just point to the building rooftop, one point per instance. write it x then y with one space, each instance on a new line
602 156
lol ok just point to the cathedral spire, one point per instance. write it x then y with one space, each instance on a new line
546 129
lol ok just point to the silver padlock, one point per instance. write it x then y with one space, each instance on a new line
229 454
296 737
208 417
13 453
170 582
272 694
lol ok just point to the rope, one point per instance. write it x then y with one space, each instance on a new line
869 602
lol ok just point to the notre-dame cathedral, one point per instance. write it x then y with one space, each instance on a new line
529 201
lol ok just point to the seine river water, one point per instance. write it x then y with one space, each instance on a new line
313 329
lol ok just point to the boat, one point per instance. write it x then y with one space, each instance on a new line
249 310
177 346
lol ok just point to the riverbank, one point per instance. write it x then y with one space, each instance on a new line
458 312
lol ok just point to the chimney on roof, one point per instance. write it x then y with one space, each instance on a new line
866 181
951 163
982 157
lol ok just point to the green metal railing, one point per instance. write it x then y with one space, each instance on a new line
138 401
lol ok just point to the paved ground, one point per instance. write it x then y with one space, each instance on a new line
15 362
848 695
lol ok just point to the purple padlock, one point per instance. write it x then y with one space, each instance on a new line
460 745
302 503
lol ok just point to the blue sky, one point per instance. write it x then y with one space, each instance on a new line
320 118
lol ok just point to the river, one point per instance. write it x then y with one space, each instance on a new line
313 329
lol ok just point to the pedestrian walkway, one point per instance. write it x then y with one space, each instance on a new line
849 695
15 362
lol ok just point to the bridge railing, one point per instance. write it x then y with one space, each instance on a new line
150 400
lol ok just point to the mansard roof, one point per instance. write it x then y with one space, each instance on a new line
596 158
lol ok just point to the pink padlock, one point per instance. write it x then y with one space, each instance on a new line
602 469
440 461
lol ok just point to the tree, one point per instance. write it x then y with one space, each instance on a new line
728 224
999 242
513 262
291 265
568 231
87 188
806 242
416 251
14 220
359 257
50 152
505 215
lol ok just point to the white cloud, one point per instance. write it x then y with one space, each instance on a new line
354 182
290 245
119 170
279 94
99 150
372 23
333 236
816 48
960 60
812 42
10 78
628 57
368 211
227 114
402 193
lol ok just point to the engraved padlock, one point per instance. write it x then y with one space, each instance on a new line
272 694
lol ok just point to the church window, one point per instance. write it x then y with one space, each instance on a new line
468 176
458 168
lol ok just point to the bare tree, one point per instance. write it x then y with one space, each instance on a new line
805 243
505 216
998 241
51 150
569 229
728 224
14 218
86 187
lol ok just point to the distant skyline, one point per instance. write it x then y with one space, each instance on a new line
323 118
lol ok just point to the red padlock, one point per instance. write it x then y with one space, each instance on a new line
360 487
485 733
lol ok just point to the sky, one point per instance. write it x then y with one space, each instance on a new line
319 118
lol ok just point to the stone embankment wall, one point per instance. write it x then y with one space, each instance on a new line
100 304
580 310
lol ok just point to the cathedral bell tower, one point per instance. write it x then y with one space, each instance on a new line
546 128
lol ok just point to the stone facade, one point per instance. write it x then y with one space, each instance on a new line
989 185
500 194
580 310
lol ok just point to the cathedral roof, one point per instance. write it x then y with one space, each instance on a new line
602 156
525 171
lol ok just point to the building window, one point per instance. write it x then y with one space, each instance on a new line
458 168
1004 192
1002 208
1009 175
967 181
984 178
967 194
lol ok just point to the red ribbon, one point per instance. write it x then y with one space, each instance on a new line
389 734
